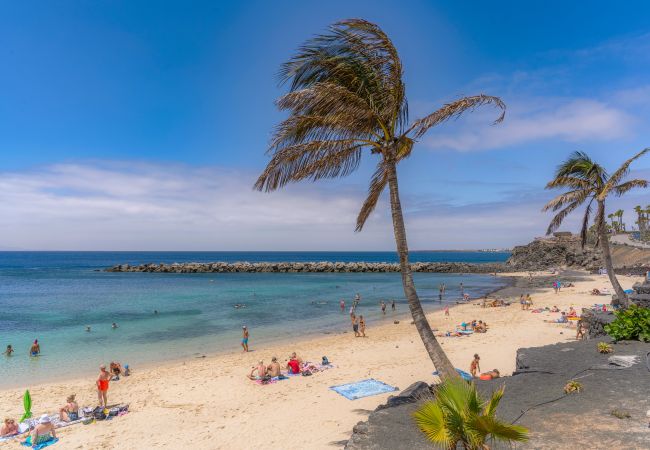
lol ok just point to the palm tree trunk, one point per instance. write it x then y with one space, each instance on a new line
437 355
607 256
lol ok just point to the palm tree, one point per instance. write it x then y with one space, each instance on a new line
588 182
458 415
611 218
347 96
621 225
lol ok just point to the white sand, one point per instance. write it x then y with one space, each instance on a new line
209 403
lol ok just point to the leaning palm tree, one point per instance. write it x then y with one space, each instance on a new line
588 182
458 415
346 97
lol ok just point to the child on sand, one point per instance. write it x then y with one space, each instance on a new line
446 310
244 339
475 366
362 326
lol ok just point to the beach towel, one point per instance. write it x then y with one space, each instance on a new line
465 331
360 389
629 291
28 443
464 375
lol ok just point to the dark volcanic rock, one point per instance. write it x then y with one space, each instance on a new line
587 419
294 267
554 252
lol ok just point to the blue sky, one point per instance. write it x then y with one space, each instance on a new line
134 125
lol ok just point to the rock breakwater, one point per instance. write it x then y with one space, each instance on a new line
312 267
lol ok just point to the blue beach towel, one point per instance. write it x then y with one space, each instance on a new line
629 291
360 389
464 375
28 443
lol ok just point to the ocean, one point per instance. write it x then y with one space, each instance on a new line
53 296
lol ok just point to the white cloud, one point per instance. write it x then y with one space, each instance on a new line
574 120
118 206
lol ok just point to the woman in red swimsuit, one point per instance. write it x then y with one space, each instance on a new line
102 385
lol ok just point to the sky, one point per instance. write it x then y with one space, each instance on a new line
133 125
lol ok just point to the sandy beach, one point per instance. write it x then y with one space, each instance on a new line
210 404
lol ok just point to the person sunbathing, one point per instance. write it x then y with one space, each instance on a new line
491 375
480 327
261 371
572 312
273 370
561 319
9 427
595 291
70 412
555 309
43 432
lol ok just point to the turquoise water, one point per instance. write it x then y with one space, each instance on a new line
53 296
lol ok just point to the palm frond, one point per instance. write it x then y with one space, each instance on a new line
568 197
455 109
492 405
585 224
629 185
501 431
377 185
432 422
620 174
315 160
570 181
559 217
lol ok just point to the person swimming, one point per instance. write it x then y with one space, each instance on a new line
9 350
35 349
114 325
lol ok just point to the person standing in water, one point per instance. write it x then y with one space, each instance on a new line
462 290
383 307
35 349
9 350
342 305
392 305
102 385
244 338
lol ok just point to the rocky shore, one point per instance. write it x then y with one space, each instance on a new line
312 267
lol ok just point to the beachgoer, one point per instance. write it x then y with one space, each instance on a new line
522 302
296 357
116 369
342 305
529 301
35 349
43 432
102 385
572 312
355 326
462 289
87 328
70 412
261 371
293 366
446 310
383 307
9 427
555 287
392 305
555 309
9 350
127 370
114 325
274 369
581 329
475 366
491 375
244 338
561 319
155 312
362 326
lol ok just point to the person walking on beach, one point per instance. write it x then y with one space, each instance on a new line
9 350
392 305
102 386
447 311
342 305
362 326
244 338
475 366
383 307
355 326
35 349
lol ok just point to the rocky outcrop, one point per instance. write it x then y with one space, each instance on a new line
554 252
296 267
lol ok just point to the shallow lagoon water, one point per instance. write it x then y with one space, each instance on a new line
53 296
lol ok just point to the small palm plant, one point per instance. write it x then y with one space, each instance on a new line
458 415
604 347
572 386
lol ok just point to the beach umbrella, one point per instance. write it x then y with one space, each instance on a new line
27 403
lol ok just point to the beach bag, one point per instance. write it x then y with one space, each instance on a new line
99 414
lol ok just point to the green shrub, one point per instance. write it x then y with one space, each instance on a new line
632 323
